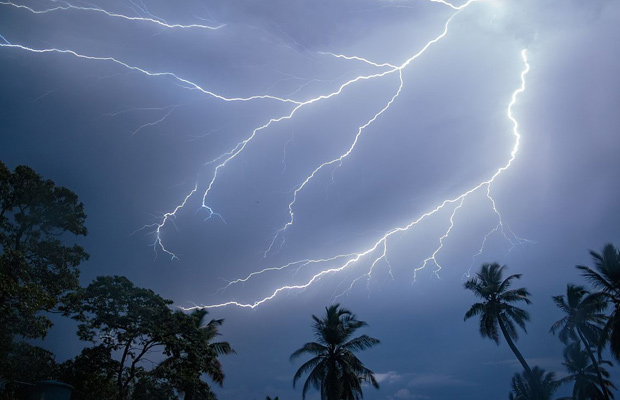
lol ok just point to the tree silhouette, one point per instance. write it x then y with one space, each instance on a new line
193 353
126 320
583 321
128 324
606 277
91 373
37 266
496 309
584 374
536 385
334 369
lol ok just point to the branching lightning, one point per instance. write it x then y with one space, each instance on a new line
352 260
67 6
366 260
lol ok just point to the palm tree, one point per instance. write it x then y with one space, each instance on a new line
334 369
583 373
606 277
583 321
536 385
496 309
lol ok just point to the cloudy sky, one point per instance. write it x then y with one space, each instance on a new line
359 152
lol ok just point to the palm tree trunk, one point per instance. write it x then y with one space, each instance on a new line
514 349
593 359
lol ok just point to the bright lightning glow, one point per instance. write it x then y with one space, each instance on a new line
353 259
338 161
375 255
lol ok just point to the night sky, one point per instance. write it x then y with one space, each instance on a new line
317 129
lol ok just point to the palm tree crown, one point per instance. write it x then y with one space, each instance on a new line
583 373
537 385
582 321
606 277
496 310
334 369
583 315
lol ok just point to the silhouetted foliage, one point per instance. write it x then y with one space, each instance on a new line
605 276
535 385
150 386
193 353
496 309
36 267
583 321
123 318
92 374
334 369
24 364
38 274
130 323
583 374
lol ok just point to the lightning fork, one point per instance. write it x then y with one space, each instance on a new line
190 85
156 21
193 86
338 160
382 241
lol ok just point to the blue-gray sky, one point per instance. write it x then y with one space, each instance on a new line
133 145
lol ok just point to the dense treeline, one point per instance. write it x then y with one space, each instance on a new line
140 348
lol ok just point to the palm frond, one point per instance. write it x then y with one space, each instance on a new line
222 348
597 279
510 327
476 309
517 315
360 343
313 348
506 283
512 296
474 285
315 378
305 367
489 327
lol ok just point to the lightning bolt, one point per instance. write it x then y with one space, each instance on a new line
377 252
191 86
338 161
151 20
354 259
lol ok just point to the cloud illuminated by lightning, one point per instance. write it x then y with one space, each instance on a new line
375 253
338 161
382 243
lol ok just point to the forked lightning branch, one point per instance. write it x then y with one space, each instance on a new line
364 261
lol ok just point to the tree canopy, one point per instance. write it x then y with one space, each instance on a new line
38 262
334 369
534 385
130 323
605 276
496 309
